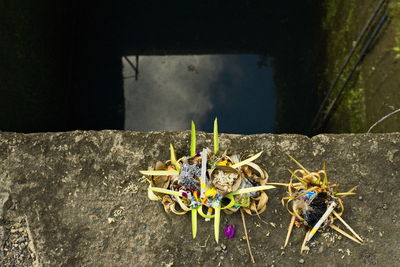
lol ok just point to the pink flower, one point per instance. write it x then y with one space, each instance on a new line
229 230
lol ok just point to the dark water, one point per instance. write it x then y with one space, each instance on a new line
173 90
253 64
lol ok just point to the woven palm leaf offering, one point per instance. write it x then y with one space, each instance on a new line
314 202
207 182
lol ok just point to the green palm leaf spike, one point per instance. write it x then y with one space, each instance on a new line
298 164
159 172
325 182
244 162
217 220
173 158
165 191
216 144
298 178
250 189
194 222
193 141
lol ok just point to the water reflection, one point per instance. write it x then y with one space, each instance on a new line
173 90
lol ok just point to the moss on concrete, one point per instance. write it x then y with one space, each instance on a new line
372 91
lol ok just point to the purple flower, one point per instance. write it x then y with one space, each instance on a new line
229 230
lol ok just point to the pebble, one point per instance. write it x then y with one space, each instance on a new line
301 261
384 206
20 240
223 246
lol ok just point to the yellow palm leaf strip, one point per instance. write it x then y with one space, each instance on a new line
290 185
253 207
173 158
217 220
152 196
262 201
252 189
263 208
202 214
215 133
316 176
244 162
247 210
263 174
283 200
303 245
159 172
298 163
334 227
341 206
294 212
348 226
325 182
165 191
290 230
305 192
258 215
194 223
353 189
350 192
345 194
304 183
279 184
182 205
172 207
319 176
247 237
193 140
231 203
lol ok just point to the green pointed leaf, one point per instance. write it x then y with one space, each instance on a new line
298 178
202 214
298 163
194 222
325 182
193 141
165 191
159 172
173 158
217 220
231 203
250 189
244 162
216 142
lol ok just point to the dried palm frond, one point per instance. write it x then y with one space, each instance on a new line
315 202
207 178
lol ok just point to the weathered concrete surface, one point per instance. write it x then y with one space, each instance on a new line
67 184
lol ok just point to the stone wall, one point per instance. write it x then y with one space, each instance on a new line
57 191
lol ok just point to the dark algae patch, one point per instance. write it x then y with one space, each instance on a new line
373 90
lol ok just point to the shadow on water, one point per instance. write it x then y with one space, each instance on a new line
62 67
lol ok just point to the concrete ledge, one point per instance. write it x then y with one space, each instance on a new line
60 189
